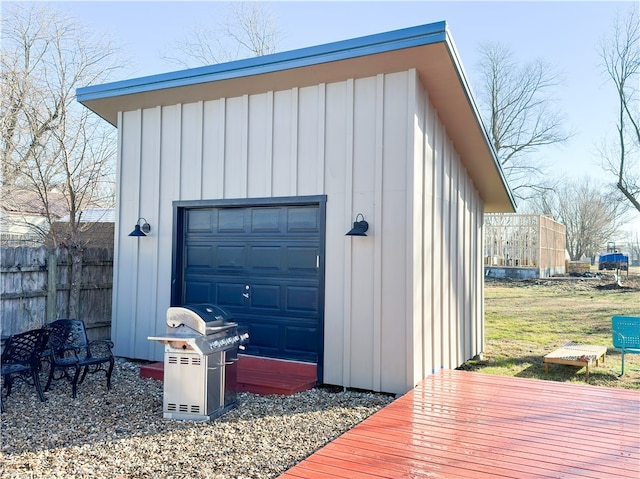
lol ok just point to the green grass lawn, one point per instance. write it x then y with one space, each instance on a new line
526 320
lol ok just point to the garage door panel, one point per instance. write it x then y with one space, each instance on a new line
197 292
230 257
299 320
265 296
199 221
302 258
303 219
301 298
199 256
300 340
228 294
261 263
263 335
266 220
230 220
265 258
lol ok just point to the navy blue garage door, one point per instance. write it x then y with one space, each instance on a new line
264 265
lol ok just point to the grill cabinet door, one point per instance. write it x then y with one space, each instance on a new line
184 387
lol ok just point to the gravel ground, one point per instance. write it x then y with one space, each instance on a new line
121 433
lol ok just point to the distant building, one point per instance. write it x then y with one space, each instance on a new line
523 246
94 215
23 216
96 226
24 221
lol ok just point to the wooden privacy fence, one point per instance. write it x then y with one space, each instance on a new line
27 280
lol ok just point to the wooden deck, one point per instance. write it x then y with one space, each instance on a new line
459 424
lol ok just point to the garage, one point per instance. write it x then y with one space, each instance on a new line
262 262
250 173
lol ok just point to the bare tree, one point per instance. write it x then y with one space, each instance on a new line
591 214
620 54
51 145
518 109
246 30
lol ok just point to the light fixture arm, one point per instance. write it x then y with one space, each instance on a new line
145 227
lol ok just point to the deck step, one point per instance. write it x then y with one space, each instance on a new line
153 371
262 376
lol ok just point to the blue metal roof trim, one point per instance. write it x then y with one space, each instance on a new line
330 52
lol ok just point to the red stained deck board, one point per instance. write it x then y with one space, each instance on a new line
399 465
459 424
462 459
523 447
475 455
153 371
270 382
273 376
480 421
294 368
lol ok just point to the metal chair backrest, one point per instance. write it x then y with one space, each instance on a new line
68 336
70 350
626 332
25 348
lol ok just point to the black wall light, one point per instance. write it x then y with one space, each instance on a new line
359 227
141 230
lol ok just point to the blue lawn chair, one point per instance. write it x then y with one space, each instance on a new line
626 335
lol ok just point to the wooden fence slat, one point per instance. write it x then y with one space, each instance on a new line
24 289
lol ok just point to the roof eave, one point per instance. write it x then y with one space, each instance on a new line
490 207
331 52
416 47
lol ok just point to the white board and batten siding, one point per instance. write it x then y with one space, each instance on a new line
399 303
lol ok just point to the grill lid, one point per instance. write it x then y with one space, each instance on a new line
202 318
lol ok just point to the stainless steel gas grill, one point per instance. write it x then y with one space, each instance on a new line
200 360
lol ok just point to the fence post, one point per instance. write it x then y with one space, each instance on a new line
52 286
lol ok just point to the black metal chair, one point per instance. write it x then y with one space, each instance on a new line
70 350
21 356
